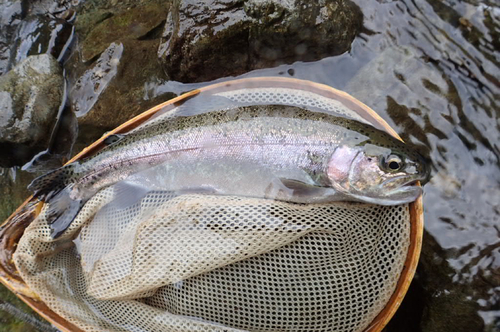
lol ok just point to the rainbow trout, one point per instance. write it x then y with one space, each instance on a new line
278 152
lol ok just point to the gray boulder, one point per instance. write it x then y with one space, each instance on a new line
9 23
31 28
205 40
30 96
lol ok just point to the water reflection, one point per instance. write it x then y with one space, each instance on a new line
435 73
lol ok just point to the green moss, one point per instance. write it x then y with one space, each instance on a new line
86 22
130 24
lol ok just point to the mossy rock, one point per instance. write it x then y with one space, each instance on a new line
30 97
208 40
131 24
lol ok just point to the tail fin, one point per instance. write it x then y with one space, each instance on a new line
62 211
50 184
54 188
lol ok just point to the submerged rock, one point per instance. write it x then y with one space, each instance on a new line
448 306
454 288
10 17
111 90
205 40
131 24
39 34
31 28
30 96
116 59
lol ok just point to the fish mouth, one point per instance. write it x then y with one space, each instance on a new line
402 195
406 193
410 183
410 179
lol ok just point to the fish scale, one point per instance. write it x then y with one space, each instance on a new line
306 157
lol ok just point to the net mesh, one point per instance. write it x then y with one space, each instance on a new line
220 263
292 97
216 263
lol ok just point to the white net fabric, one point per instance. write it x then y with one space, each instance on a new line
292 97
259 96
215 263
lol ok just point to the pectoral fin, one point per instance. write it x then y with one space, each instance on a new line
307 193
302 189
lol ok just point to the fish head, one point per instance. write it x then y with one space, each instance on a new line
377 174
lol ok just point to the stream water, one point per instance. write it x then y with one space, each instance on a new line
431 69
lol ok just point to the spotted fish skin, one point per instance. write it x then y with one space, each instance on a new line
287 142
50 184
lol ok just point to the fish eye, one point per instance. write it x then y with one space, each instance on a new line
393 163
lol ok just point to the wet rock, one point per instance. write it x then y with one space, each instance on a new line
87 89
23 33
131 24
434 302
93 12
39 34
11 13
204 40
447 306
119 44
113 6
117 59
85 22
31 94
112 89
52 7
454 286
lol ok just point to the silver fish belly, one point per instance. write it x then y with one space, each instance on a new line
279 152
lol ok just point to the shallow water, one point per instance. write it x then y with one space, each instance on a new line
431 70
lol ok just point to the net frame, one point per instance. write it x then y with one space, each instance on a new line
12 229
